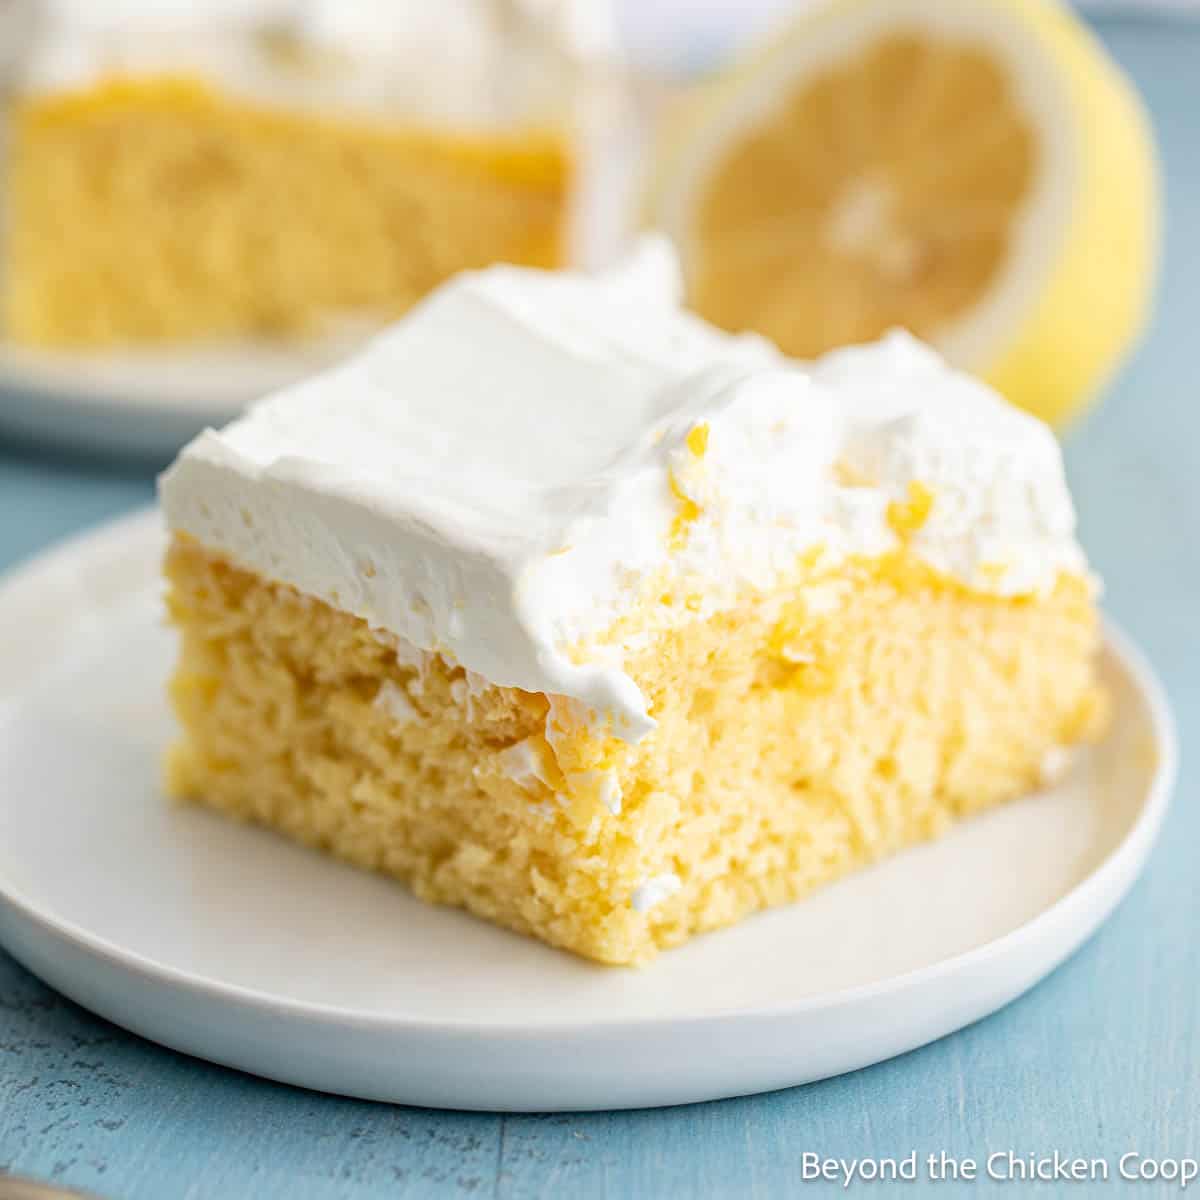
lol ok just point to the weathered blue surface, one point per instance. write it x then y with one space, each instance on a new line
1102 1058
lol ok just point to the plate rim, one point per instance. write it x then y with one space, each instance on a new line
148 401
1129 854
130 376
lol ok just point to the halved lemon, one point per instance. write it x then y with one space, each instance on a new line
977 171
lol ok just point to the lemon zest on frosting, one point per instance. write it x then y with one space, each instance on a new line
907 516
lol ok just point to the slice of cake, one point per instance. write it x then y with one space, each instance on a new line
262 167
567 608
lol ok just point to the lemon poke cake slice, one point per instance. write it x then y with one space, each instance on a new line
562 606
185 172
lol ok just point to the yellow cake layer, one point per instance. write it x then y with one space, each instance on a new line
800 736
160 210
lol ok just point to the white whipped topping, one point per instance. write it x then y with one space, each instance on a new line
498 476
1001 498
654 891
460 61
523 764
394 701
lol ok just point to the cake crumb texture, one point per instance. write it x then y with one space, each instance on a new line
854 712
160 210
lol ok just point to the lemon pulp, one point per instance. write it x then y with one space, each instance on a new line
856 206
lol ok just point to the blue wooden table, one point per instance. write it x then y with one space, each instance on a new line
1101 1059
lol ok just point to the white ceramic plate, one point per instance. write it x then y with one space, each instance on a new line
150 402
228 943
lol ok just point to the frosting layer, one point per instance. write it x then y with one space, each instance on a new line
460 62
506 470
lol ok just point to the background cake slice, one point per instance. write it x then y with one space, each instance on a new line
562 606
177 173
